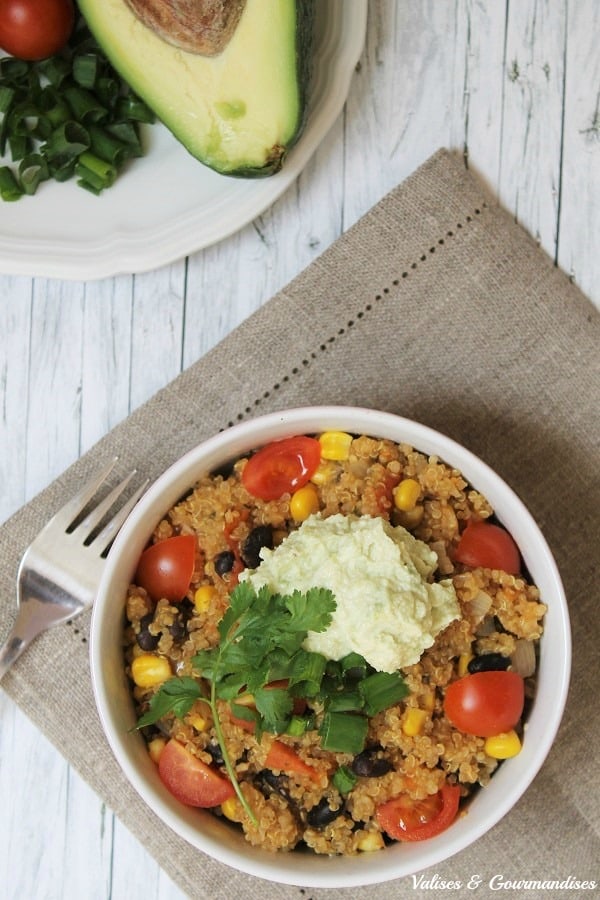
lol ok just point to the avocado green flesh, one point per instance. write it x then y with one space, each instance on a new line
238 112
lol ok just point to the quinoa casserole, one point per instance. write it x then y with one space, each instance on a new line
305 748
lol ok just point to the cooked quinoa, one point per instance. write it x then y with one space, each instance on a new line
406 752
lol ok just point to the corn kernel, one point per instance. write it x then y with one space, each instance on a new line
370 842
324 472
155 748
304 502
148 670
335 445
428 701
414 720
503 746
197 722
406 494
203 597
409 518
230 810
463 663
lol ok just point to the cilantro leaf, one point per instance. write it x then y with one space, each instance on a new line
176 695
275 706
311 611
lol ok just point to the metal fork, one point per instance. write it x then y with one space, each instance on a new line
60 571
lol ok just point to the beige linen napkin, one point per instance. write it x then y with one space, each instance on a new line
436 306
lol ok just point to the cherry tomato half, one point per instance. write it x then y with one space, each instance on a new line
405 819
190 780
35 29
281 467
488 545
485 703
165 569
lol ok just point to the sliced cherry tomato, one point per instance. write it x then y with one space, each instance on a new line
405 819
165 569
285 759
485 703
384 492
35 29
281 467
488 545
190 780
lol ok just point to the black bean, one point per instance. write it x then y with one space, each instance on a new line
322 814
488 662
224 562
259 537
187 608
215 751
369 765
145 640
269 783
177 630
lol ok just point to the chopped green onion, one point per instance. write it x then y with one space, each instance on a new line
9 188
299 725
56 69
13 69
20 145
131 107
84 105
85 70
66 143
343 732
381 690
354 666
6 97
33 169
344 779
127 133
58 108
107 147
346 701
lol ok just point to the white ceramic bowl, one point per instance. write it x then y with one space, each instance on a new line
218 839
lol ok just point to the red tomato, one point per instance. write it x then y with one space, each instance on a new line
165 569
281 467
485 703
190 780
405 819
488 545
35 29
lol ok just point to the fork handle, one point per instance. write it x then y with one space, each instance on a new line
11 650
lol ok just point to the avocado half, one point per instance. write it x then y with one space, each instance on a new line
238 112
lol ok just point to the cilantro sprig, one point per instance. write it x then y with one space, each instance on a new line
260 653
261 642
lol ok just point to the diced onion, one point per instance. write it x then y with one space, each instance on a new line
523 659
479 607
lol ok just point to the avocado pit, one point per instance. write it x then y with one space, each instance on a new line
204 27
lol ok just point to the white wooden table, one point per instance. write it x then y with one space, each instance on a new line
515 86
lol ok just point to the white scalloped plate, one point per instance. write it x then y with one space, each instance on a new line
169 205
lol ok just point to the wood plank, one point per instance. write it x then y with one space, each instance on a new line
529 178
15 330
156 330
579 221
107 327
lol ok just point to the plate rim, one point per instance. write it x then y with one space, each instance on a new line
131 252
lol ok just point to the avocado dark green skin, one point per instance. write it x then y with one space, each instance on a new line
253 145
